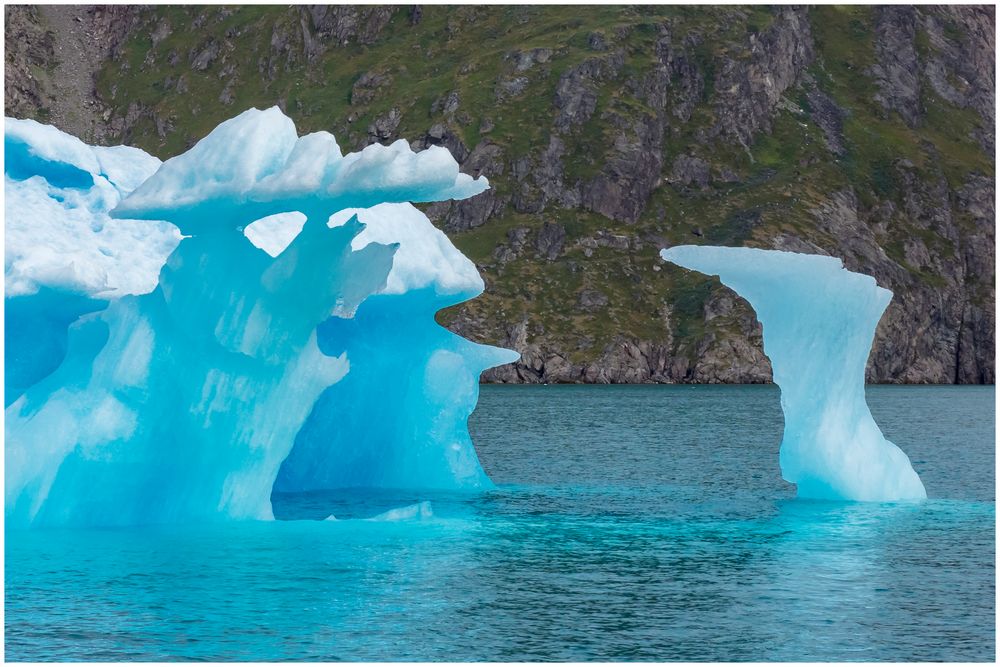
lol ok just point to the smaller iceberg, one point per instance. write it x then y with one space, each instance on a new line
819 322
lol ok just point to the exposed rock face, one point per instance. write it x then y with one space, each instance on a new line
748 90
976 357
442 135
828 117
340 25
961 70
29 48
383 129
508 88
932 332
631 170
591 300
551 239
690 170
864 133
897 72
935 314
53 55
576 92
367 87
202 57
487 159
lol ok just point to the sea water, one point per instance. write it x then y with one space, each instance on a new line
628 523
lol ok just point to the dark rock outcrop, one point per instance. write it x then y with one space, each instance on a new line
897 72
340 25
551 239
748 89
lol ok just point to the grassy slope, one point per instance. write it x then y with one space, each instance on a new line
784 176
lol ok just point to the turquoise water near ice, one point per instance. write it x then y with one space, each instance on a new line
628 523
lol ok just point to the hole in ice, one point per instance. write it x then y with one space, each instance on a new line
341 217
275 232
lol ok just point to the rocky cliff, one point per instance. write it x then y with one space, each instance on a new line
607 132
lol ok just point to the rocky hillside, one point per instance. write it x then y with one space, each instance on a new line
607 133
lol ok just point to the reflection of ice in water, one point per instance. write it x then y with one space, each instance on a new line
830 574
823 556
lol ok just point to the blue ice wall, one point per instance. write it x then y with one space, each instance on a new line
373 429
407 412
819 322
184 402
36 335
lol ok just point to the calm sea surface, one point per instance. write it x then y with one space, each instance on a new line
628 523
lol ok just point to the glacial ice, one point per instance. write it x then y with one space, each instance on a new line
58 192
819 322
64 255
287 342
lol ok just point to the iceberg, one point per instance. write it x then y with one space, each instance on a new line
819 321
275 330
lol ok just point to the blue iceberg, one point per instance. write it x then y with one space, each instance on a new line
819 322
267 323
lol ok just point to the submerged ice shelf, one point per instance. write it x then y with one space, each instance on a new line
287 343
819 322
